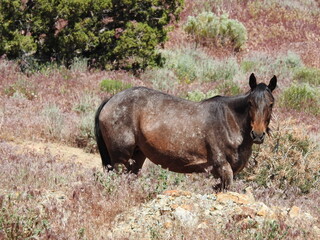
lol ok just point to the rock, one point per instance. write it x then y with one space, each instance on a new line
168 224
248 211
294 212
188 207
178 212
234 197
249 192
186 217
176 193
217 207
202 225
316 231
265 211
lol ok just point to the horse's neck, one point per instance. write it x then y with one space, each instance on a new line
240 107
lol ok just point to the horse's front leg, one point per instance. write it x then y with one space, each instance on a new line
226 176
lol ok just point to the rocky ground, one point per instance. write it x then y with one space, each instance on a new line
168 213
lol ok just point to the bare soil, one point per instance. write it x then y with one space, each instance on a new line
62 152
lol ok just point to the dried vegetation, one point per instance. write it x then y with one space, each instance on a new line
44 195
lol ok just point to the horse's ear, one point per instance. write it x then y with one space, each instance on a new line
252 81
273 83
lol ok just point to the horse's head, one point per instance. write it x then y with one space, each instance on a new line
260 107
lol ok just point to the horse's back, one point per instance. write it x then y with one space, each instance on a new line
124 111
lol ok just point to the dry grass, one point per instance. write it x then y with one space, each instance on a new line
44 197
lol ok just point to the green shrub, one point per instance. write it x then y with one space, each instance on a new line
113 86
248 66
86 103
283 65
229 88
291 60
198 96
112 34
54 120
191 65
135 48
79 64
307 75
86 139
271 229
23 88
161 78
86 107
301 97
220 29
23 224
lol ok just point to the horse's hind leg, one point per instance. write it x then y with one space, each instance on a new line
135 163
129 155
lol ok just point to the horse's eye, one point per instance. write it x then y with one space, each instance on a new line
271 105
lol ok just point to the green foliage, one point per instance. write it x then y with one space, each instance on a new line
113 86
220 29
291 60
135 50
108 181
282 65
86 103
21 87
271 229
229 88
198 96
162 179
20 224
54 118
191 65
111 34
248 66
86 107
162 78
307 75
301 97
225 88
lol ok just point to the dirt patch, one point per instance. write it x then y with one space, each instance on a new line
64 153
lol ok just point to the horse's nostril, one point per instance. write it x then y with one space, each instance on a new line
253 135
259 137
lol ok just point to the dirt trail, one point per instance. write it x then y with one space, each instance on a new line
64 153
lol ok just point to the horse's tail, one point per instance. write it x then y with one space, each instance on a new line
106 161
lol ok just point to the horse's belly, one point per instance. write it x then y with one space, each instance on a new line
178 162
173 145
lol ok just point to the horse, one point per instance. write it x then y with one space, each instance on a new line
215 135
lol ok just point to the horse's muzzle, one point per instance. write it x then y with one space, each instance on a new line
257 138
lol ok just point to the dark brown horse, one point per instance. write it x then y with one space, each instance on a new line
213 135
